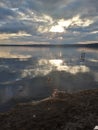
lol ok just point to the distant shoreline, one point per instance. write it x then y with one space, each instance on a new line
93 45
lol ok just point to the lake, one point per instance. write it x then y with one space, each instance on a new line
32 73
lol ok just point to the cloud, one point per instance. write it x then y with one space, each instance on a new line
49 21
6 13
7 36
14 27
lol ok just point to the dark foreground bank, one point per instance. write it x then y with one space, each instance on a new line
62 111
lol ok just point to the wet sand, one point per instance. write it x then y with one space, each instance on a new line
61 111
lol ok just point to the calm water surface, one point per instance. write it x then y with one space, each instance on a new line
33 73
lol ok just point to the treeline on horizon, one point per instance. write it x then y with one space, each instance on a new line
91 45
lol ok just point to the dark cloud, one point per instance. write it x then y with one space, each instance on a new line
95 4
6 12
89 29
56 8
16 26
83 8
91 37
11 3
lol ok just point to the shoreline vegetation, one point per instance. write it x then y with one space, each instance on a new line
92 45
60 111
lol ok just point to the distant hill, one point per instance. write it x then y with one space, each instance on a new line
92 45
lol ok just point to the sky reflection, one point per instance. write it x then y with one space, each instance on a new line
61 65
33 73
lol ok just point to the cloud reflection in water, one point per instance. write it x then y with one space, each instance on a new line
61 65
45 66
9 55
39 71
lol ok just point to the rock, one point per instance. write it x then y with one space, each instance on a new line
96 128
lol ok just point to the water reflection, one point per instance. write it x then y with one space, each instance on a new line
93 60
33 73
61 65
7 54
56 62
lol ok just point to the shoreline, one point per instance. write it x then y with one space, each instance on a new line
92 45
61 111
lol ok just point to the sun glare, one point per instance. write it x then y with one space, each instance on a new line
56 62
57 28
75 21
64 23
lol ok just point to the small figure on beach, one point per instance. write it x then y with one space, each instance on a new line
82 57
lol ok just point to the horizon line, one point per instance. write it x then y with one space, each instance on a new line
92 45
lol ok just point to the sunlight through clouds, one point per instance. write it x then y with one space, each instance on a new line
48 19
63 24
57 28
81 22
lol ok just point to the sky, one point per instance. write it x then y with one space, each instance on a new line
48 21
